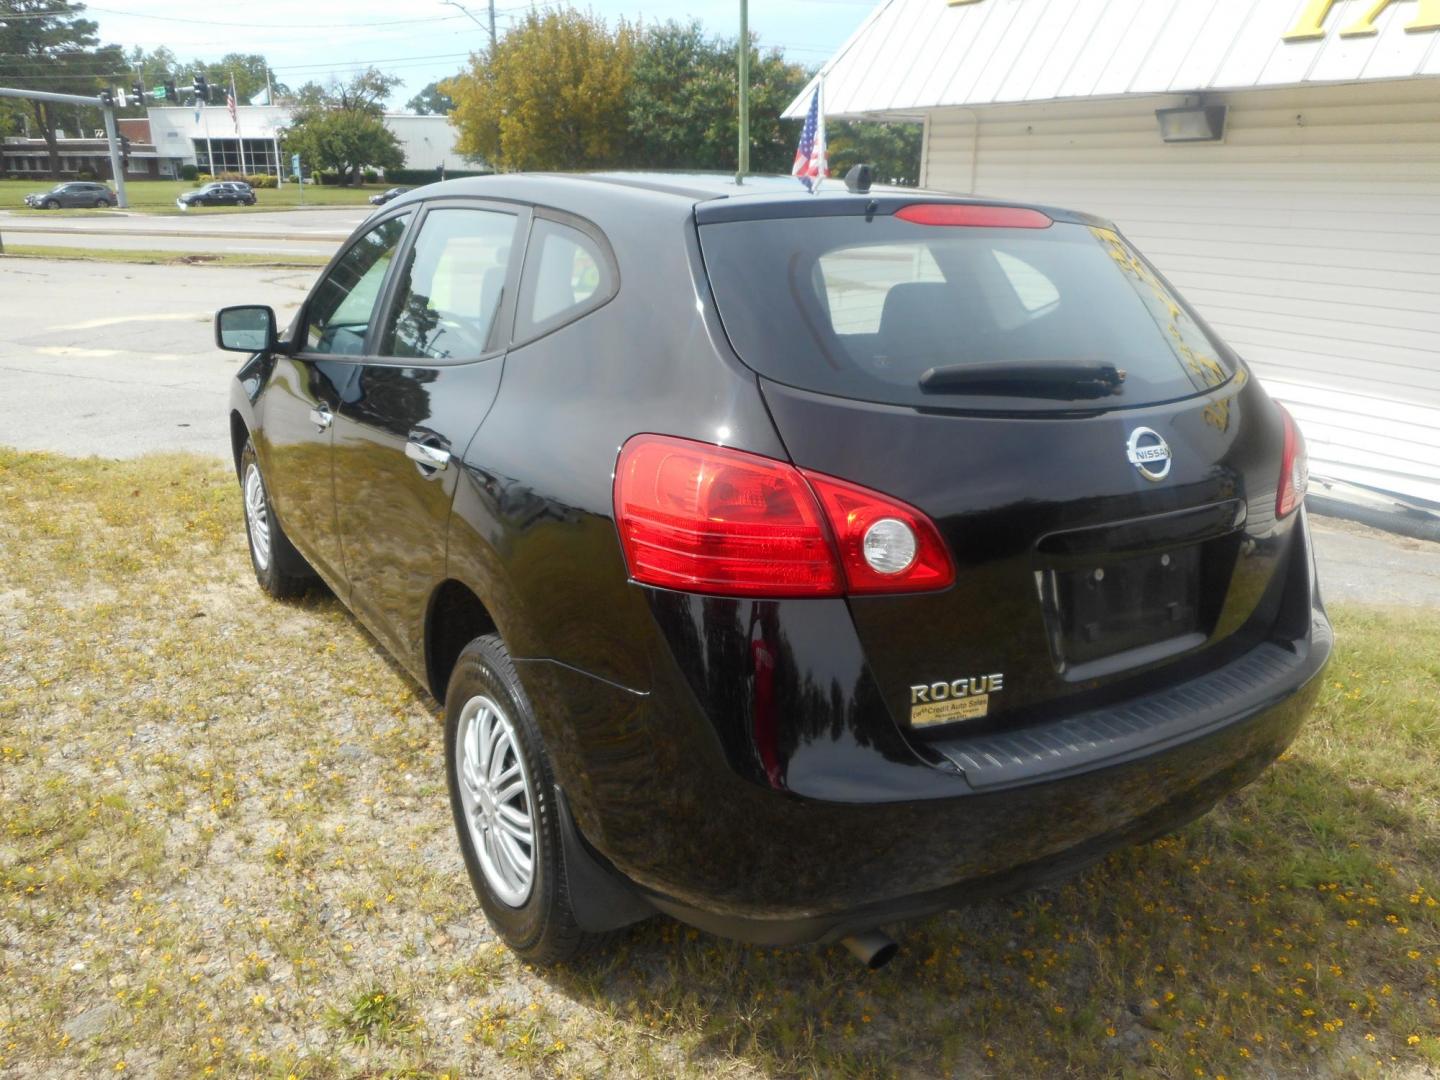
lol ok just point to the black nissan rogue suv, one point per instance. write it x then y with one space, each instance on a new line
786 563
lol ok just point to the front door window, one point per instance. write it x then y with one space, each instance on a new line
340 310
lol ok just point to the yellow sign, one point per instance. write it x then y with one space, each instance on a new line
1312 20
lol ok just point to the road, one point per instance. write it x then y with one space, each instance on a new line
295 232
119 360
131 367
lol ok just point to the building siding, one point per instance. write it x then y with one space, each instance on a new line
1309 238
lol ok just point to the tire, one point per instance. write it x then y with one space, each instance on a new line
279 568
532 916
52 204
102 204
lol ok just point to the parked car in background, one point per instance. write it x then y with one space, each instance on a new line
75 193
219 193
789 564
385 196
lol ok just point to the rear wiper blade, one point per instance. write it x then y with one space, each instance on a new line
1026 379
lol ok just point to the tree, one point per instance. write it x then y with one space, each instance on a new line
550 95
48 45
892 150
431 102
681 102
344 141
363 93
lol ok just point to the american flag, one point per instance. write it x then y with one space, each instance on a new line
230 104
811 164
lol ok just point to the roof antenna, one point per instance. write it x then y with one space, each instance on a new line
858 179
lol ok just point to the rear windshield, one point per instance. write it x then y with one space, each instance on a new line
864 308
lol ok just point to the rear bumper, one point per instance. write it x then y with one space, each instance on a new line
1024 832
760 790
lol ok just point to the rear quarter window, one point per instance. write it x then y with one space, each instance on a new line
569 272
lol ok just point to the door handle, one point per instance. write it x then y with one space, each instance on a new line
430 459
322 417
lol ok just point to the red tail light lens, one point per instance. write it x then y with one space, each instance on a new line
976 216
861 520
707 519
1294 467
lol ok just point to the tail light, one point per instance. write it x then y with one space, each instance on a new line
1294 467
708 519
975 215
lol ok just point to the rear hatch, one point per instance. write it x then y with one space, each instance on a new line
1101 467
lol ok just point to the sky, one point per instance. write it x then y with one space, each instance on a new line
425 40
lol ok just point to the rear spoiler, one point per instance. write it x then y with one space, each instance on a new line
844 204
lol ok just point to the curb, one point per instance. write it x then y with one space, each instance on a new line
1415 524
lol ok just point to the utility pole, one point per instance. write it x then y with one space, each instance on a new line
117 169
744 61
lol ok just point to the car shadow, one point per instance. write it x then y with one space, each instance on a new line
1220 923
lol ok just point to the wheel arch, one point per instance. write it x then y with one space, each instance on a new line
455 617
239 434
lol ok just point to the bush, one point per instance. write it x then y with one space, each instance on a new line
429 176
188 172
260 180
370 176
85 174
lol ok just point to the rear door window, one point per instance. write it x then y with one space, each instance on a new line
866 307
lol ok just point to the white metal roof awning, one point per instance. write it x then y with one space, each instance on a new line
913 55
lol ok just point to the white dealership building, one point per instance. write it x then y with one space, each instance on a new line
1294 197
213 142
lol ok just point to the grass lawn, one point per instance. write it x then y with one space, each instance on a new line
225 849
160 195
161 258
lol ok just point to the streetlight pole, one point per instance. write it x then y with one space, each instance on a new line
744 62
475 19
117 169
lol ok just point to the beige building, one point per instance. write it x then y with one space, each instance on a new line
1306 222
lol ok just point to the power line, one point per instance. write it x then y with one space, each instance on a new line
220 22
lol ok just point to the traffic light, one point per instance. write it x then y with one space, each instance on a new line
125 148
169 89
137 90
202 90
107 99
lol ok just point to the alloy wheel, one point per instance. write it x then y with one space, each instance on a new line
496 794
257 516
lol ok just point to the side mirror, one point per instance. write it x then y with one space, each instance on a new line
248 329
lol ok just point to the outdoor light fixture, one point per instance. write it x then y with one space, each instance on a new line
1192 123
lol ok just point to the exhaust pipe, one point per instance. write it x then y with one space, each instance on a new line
873 948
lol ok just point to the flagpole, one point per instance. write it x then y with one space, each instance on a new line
235 116
744 61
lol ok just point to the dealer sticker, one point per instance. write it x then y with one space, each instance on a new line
942 712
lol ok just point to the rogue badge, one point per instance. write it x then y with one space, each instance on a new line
957 699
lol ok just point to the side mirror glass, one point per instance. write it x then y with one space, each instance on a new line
248 329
